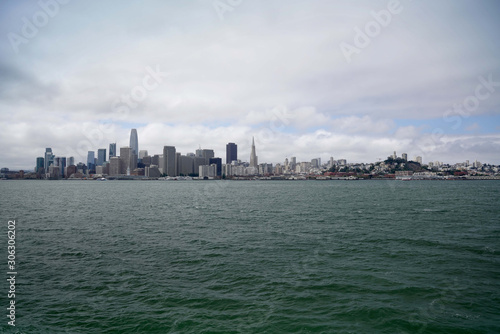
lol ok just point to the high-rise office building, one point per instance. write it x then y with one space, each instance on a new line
128 160
404 156
91 160
49 159
40 164
71 161
115 166
134 143
186 165
231 152
62 165
112 150
142 154
218 163
101 156
254 162
169 161
207 154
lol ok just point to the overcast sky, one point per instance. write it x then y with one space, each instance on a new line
307 78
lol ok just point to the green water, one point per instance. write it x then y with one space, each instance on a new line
254 256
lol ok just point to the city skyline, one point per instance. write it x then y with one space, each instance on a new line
309 79
169 157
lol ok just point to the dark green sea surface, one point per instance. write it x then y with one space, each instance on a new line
253 256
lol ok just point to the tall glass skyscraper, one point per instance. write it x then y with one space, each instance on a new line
112 150
91 160
134 143
101 156
49 159
40 163
231 152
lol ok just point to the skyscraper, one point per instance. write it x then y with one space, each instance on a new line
91 160
112 150
134 143
142 154
40 163
231 152
169 161
128 160
101 156
62 165
253 157
218 163
49 159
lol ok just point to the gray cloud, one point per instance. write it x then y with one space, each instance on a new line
226 76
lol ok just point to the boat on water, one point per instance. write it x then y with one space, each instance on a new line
102 179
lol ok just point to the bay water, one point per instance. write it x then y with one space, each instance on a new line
253 256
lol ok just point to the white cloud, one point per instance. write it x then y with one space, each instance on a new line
269 69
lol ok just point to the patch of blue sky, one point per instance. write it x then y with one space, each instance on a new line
455 124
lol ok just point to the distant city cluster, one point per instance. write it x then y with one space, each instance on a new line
132 163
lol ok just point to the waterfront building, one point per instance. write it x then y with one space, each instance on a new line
265 168
227 170
128 160
103 170
40 164
254 161
112 150
134 142
70 170
207 154
101 156
198 161
315 163
49 159
186 165
142 154
62 165
91 161
115 166
169 161
207 171
278 169
293 163
231 152
152 171
146 161
155 160
177 163
218 163
54 172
